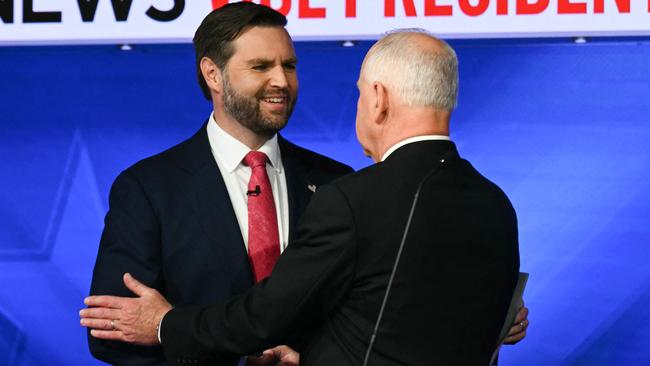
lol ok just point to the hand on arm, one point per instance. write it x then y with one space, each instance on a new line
126 319
131 242
323 253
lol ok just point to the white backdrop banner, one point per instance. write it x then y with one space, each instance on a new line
153 21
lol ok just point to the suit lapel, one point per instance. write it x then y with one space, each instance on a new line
298 183
209 197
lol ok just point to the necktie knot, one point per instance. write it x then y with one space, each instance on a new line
255 159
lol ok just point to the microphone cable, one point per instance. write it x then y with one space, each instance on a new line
441 163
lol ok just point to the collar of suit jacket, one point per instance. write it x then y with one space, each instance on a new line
412 140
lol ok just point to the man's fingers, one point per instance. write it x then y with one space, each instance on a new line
518 328
522 315
514 339
266 359
114 335
281 350
286 355
276 356
100 313
106 301
99 324
517 332
134 285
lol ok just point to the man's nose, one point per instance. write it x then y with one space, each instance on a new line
278 77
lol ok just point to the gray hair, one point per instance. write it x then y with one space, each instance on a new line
418 76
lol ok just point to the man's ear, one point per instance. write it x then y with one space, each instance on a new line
381 102
212 75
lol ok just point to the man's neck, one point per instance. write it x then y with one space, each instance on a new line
408 122
235 129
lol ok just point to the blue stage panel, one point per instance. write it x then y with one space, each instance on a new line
563 128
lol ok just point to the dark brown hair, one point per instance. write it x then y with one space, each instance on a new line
222 26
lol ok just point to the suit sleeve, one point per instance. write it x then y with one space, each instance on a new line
130 243
309 279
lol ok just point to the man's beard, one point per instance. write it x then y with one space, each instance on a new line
246 110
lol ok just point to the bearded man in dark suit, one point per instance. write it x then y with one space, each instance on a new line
179 220
457 270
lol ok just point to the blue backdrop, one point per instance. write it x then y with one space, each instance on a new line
563 128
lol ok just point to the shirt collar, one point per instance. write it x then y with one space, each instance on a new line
411 140
231 151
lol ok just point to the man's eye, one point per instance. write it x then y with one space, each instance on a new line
290 66
260 67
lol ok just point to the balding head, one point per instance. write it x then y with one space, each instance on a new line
417 68
407 88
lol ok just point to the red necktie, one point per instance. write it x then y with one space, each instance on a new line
263 237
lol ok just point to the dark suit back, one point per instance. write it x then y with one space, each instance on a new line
171 224
456 273
451 291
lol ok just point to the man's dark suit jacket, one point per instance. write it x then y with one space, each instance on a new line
171 225
451 292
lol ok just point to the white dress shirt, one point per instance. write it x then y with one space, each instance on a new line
411 140
229 153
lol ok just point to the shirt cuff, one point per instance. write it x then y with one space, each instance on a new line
158 328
